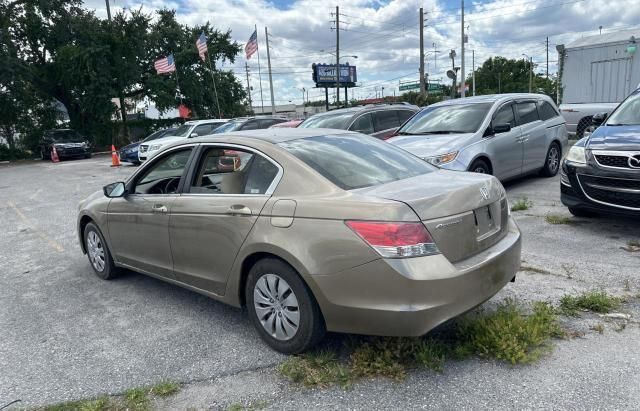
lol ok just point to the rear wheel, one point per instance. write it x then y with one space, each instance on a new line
282 308
552 161
98 253
44 155
480 166
578 212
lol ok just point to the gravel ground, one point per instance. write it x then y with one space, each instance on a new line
68 335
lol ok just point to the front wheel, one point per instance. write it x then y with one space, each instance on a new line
480 166
98 253
552 161
282 308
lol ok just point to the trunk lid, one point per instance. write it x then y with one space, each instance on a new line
464 212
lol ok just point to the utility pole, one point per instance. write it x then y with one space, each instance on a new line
547 57
273 103
422 85
337 56
108 10
462 76
530 73
473 70
435 59
246 67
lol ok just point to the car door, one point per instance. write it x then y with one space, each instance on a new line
505 149
139 222
533 131
224 195
385 123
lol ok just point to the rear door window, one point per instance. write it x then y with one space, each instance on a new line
202 129
363 124
384 120
527 112
251 125
546 110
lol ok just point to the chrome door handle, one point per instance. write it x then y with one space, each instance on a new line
159 208
239 209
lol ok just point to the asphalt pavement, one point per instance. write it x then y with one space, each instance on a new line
68 335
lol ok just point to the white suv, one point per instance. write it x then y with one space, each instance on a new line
188 130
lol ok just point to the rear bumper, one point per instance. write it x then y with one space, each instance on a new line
409 297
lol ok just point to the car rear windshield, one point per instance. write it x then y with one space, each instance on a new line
230 126
65 135
449 119
337 120
356 161
628 113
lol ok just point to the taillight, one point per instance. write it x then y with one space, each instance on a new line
395 240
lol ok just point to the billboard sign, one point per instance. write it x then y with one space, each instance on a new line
325 75
409 86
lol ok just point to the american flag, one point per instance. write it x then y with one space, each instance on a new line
201 44
165 65
252 45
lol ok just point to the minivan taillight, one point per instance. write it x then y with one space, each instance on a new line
395 240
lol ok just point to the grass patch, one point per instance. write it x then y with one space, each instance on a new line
165 389
595 301
633 246
510 333
557 219
534 270
253 406
135 399
598 327
521 204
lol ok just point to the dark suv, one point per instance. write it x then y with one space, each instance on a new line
249 123
601 173
380 120
68 143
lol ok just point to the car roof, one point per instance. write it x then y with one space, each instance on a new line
489 98
268 135
367 107
211 120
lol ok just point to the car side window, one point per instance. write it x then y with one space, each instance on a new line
404 115
385 119
163 176
251 125
363 124
504 115
266 123
546 110
201 130
527 112
232 171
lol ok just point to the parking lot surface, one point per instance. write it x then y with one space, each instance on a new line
68 335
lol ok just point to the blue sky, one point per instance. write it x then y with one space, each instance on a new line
384 34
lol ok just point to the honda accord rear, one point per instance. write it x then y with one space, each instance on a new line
313 230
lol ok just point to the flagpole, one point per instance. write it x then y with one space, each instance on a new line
177 80
215 90
259 75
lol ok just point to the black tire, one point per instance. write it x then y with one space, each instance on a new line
311 328
583 124
578 212
88 155
109 270
480 166
44 154
552 160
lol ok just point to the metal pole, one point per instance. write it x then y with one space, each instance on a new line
108 10
473 71
215 90
273 103
337 56
547 57
422 87
259 74
246 67
462 76
326 98
530 72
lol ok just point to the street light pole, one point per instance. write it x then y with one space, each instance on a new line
462 77
337 56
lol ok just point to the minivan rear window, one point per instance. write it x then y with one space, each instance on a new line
356 161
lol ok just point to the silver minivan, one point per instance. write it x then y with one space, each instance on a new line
506 135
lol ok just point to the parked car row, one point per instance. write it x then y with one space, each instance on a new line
416 209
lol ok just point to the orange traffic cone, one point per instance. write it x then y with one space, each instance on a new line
115 159
54 155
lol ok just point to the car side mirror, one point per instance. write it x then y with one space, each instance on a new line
598 119
114 190
501 128
192 135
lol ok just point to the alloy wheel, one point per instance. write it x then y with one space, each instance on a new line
276 307
553 159
96 251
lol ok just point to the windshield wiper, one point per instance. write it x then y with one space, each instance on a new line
622 124
441 132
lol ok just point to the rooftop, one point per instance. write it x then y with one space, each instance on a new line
606 38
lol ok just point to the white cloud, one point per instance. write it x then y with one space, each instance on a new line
384 35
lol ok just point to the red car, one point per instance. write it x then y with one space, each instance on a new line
287 124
